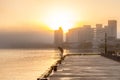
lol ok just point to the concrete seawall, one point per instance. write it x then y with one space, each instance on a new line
84 67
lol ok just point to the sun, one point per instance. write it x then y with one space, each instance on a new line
62 19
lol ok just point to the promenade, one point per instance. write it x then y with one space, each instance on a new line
87 67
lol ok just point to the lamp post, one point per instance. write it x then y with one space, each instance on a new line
105 43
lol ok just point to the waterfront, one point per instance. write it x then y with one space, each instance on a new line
25 64
87 67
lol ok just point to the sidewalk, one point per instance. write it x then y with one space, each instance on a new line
87 67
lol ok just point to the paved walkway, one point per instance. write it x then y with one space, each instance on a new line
87 67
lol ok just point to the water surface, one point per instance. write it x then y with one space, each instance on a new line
25 64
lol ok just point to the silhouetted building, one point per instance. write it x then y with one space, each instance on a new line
72 35
86 34
112 29
100 34
80 35
58 37
95 36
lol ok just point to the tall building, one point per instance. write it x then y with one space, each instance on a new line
112 29
58 37
96 36
72 35
86 34
80 35
100 34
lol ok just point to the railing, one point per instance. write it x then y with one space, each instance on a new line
112 55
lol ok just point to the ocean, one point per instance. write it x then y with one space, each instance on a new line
18 64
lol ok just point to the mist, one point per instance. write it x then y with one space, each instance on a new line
26 39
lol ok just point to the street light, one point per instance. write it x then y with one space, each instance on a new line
105 43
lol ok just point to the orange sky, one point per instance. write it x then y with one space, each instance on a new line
55 13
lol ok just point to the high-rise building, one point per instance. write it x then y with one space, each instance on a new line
86 34
112 29
58 37
72 36
96 36
100 34
80 35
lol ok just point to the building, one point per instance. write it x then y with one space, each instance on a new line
100 34
86 34
75 37
112 29
72 38
82 35
58 37
72 35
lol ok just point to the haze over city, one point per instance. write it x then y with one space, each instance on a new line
33 21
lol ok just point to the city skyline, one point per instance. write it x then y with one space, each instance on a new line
35 20
36 38
87 36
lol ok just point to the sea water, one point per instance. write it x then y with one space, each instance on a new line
16 64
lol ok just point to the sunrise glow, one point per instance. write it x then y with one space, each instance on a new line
62 18
37 15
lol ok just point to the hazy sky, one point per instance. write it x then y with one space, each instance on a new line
32 15
14 12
